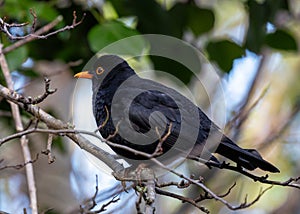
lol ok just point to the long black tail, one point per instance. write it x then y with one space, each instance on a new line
247 158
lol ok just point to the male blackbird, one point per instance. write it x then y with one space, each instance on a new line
127 107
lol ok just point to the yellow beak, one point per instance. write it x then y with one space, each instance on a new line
84 74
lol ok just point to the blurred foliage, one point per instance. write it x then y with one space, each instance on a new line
261 13
287 41
108 22
103 35
224 52
17 57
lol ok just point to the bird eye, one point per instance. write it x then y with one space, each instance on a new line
99 70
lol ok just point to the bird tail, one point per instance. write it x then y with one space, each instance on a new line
247 158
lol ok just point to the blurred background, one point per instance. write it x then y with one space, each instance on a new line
252 44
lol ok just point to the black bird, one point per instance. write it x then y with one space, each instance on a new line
136 110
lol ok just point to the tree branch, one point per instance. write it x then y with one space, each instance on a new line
40 98
62 132
39 33
261 179
62 129
19 166
24 141
4 27
57 124
181 198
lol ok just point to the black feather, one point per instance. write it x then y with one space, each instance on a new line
155 105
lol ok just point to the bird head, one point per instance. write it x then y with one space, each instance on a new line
102 66
105 69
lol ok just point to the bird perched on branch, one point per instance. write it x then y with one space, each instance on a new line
151 118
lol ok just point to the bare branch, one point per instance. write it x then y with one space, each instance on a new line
39 33
90 203
159 150
33 26
246 204
272 137
62 129
181 198
42 30
243 114
40 98
261 179
182 184
23 141
206 196
75 23
19 166
115 199
195 182
4 27
62 132
48 152
56 124
228 191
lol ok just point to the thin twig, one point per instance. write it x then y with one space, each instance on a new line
61 128
21 165
40 98
261 179
181 198
90 203
48 150
33 26
206 196
272 137
242 115
57 124
4 27
42 30
182 184
103 208
159 150
63 132
39 33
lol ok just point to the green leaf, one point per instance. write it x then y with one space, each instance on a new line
172 67
152 17
257 22
200 20
185 15
16 57
44 11
281 40
179 16
260 13
224 52
19 10
103 35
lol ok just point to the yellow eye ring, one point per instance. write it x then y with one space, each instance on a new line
99 70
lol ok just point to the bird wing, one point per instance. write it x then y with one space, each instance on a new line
156 111
152 112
